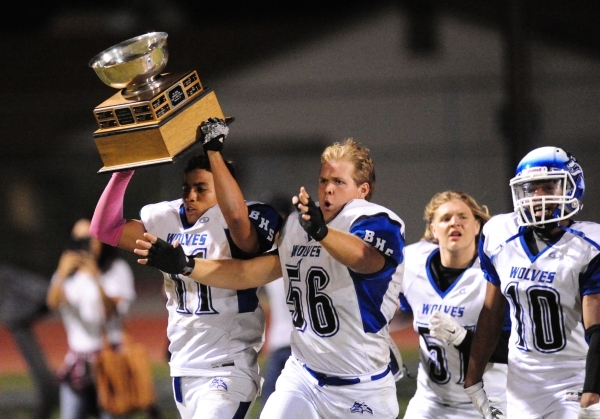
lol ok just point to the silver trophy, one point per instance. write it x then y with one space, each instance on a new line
154 115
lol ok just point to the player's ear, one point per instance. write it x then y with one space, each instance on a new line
432 230
478 228
363 190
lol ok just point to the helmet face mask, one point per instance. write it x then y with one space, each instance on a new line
548 187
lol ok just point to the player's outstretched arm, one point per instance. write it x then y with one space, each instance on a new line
344 247
487 333
485 340
211 134
222 273
108 224
353 252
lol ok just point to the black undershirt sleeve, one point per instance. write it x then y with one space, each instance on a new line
592 364
500 354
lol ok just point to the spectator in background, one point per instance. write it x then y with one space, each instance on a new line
93 289
22 303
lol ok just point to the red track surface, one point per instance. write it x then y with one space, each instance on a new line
149 330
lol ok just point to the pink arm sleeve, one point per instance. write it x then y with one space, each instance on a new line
107 223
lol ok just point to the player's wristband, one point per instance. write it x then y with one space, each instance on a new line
465 345
189 266
592 363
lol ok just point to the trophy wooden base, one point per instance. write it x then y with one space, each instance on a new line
158 137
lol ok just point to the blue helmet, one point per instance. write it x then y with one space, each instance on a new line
548 187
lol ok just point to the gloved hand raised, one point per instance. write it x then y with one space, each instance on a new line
316 226
591 412
444 328
212 132
480 399
169 259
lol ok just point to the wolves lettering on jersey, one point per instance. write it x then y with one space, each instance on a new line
209 326
453 311
187 239
334 307
306 251
441 367
544 290
529 274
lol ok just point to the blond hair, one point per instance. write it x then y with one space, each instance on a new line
351 151
481 213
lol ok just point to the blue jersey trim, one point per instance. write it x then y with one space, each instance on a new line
431 278
383 233
404 304
589 281
183 218
370 294
247 300
488 268
267 225
582 235
267 222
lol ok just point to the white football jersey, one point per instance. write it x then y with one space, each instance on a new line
341 317
544 290
442 366
208 326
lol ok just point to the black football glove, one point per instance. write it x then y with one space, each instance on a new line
169 259
212 132
315 227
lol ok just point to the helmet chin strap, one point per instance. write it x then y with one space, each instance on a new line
544 231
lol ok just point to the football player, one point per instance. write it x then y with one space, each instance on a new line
546 266
215 334
443 291
342 263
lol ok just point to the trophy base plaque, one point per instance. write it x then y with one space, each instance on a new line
155 126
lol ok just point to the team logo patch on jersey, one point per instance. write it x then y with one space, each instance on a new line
204 220
572 396
361 407
218 383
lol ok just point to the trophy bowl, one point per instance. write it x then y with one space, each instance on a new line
133 65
